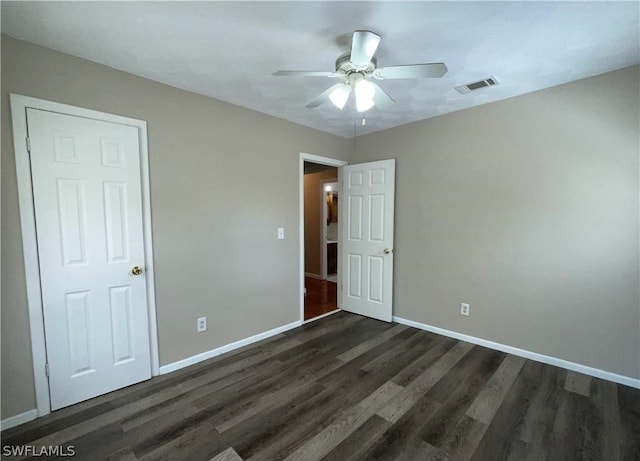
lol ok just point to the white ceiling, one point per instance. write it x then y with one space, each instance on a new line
228 50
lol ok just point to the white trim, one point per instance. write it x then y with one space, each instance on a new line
226 348
16 420
19 105
607 375
313 276
335 311
304 157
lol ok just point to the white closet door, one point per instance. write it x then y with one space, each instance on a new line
88 207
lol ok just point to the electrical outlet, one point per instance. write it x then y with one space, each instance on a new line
464 309
202 324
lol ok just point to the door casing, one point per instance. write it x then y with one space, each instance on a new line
19 104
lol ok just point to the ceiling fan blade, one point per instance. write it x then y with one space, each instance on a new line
382 99
432 70
304 73
363 46
323 97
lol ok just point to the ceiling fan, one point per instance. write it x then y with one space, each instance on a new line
357 67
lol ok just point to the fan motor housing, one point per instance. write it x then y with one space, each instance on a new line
345 67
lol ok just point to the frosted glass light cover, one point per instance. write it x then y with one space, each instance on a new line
340 95
364 95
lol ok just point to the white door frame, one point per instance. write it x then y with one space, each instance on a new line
304 157
19 105
323 230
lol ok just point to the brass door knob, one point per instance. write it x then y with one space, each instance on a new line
137 270
388 250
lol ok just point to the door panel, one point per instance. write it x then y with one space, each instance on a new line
88 209
368 189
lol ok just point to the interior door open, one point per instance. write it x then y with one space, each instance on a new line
366 211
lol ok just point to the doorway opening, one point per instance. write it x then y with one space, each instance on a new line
319 236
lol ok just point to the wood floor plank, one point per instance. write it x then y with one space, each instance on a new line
411 394
413 449
522 451
438 346
578 383
355 446
303 426
352 418
629 408
197 389
228 455
575 433
474 369
461 442
282 429
312 416
268 401
371 343
99 444
540 417
605 396
489 400
347 387
456 391
348 369
191 445
411 340
503 430
392 442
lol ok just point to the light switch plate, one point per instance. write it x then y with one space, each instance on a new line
280 233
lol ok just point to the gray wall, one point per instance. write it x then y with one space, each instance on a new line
528 210
223 179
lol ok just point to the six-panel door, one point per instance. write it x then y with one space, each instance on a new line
88 207
367 238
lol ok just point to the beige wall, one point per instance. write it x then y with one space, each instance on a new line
528 210
313 196
223 179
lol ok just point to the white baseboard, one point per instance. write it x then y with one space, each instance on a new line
16 420
313 276
226 348
607 375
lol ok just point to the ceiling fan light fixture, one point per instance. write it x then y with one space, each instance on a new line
340 95
364 95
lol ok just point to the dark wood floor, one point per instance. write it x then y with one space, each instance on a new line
351 388
321 297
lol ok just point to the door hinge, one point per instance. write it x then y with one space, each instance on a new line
29 145
46 369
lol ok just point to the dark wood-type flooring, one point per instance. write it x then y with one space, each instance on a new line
351 388
321 297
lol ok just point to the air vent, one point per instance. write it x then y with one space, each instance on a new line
462 89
